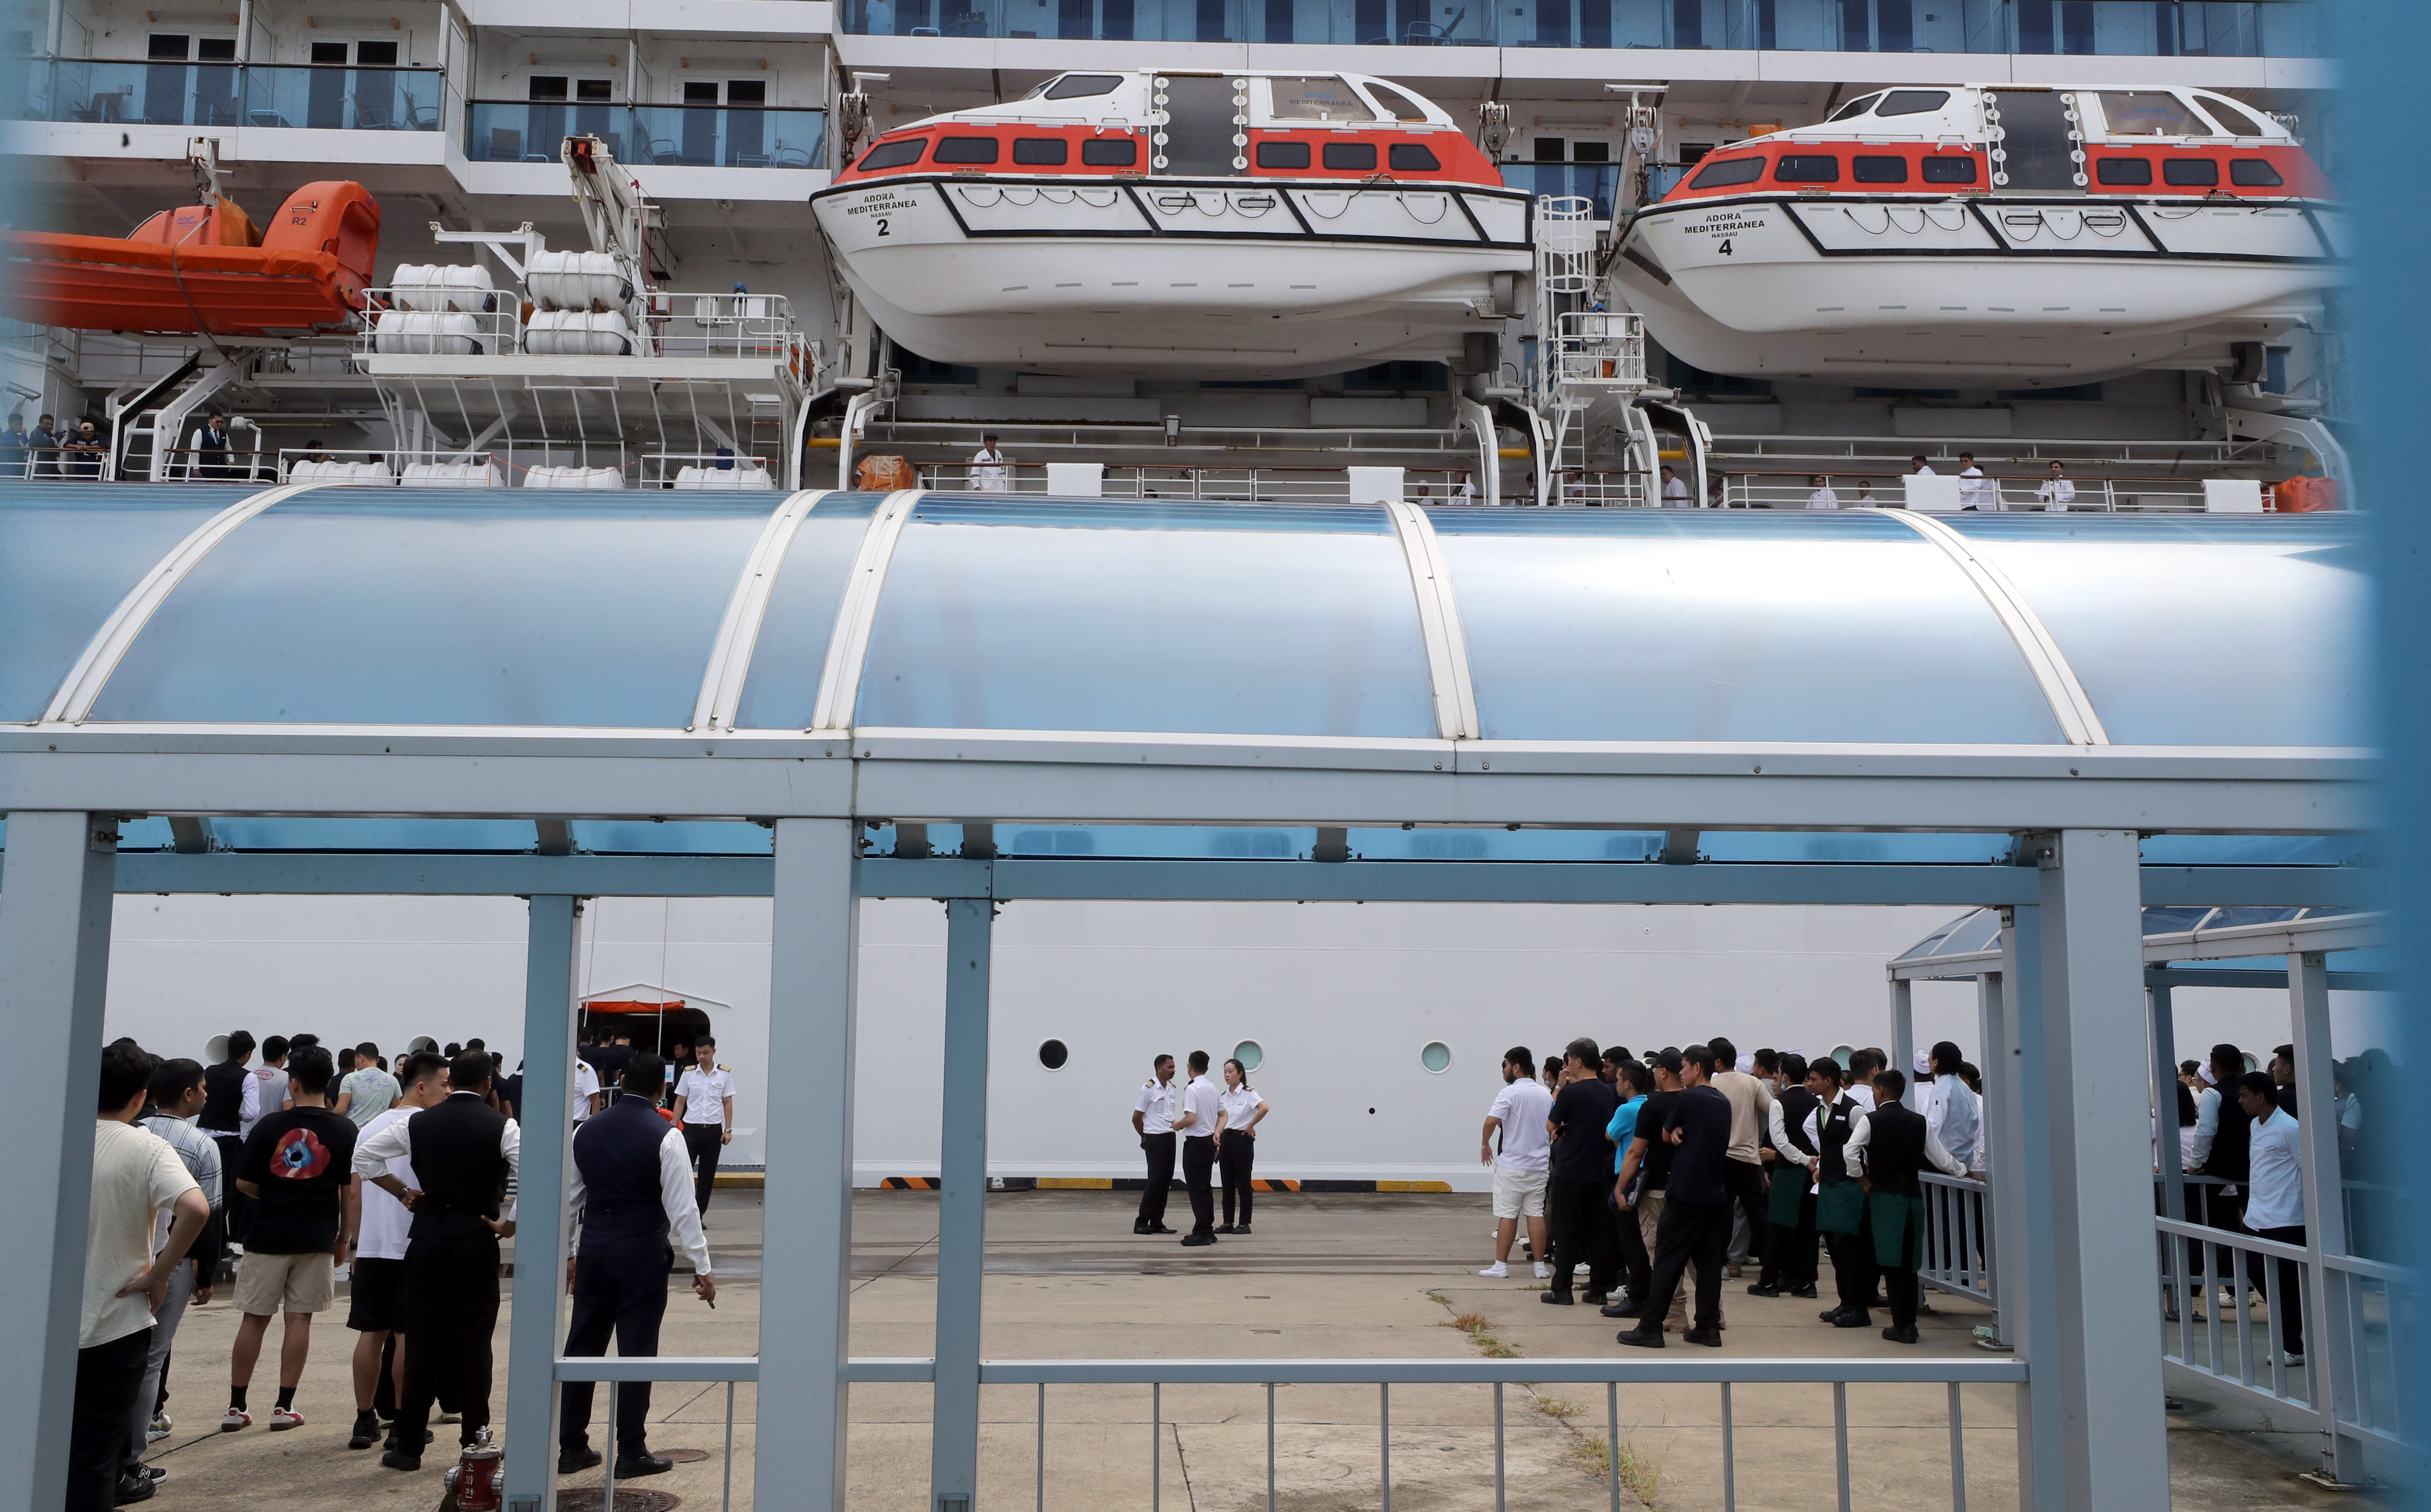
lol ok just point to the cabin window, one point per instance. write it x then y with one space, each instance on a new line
1412 157
1722 172
1350 156
1316 97
964 150
1082 86
1949 169
1912 102
1855 107
2147 113
2122 170
1283 154
1883 169
894 155
2239 122
1807 168
1396 104
1044 151
1111 152
2252 172
2191 172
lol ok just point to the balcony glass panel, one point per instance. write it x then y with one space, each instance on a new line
227 95
2128 27
1589 180
691 135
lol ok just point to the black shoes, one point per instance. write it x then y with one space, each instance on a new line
1595 1298
1243 1229
397 1459
1710 1337
1556 1299
1764 1288
1849 1317
1142 1228
134 1489
1161 1229
1226 1228
1623 1310
644 1463
1899 1336
575 1461
1808 1292
1196 1240
1642 1338
367 1431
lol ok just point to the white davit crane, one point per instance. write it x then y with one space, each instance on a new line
616 214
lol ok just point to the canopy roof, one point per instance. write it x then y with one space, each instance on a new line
1970 944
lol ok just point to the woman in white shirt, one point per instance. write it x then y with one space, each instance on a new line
1238 1113
2057 491
1822 498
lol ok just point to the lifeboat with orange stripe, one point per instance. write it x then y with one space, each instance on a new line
2022 236
204 268
1249 225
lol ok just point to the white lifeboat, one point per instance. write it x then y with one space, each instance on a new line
2025 236
1159 223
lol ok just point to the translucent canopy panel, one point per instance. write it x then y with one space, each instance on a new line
1645 625
2200 631
1181 617
1972 934
413 608
67 557
800 617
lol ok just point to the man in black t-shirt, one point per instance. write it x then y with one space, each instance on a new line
1696 1227
1574 1192
296 1166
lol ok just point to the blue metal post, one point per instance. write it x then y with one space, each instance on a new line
961 1207
539 1208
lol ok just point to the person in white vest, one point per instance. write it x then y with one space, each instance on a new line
989 472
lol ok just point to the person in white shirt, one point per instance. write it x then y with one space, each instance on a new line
1975 490
1921 468
176 1095
267 1094
1238 1112
1675 490
1822 498
2274 1199
2057 491
989 472
1463 491
126 1275
375 1308
1152 1121
1860 1088
705 1111
1952 1111
588 1098
1522 1114
1197 1122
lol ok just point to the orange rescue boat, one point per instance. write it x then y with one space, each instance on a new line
204 268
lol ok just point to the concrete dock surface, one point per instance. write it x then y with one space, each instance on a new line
1321 1275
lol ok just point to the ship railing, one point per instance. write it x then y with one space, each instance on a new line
1816 453
707 471
481 323
728 326
494 323
2012 492
1600 349
1261 485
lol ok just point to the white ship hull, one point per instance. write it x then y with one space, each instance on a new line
1164 278
1946 290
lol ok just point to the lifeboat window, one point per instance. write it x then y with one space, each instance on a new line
1411 157
1912 102
1320 97
1721 173
2240 124
964 149
1283 154
2252 173
1111 152
2191 172
1807 168
1949 169
1041 150
894 155
2147 113
1883 170
1855 107
1350 156
2122 170
1397 105
1081 86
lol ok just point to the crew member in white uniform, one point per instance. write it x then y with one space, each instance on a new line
1975 491
1917 465
989 473
1197 1123
1152 1121
1822 498
2057 491
705 1111
1675 491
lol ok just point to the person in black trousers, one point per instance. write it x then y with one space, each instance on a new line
1152 1121
1840 1199
1632 1267
2229 1160
1696 1227
1201 1105
1239 1111
1789 1250
1885 1152
223 1118
465 1154
1580 1182
633 1182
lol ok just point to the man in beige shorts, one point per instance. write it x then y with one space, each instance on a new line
297 1167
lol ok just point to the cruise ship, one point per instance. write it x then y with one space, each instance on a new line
1738 254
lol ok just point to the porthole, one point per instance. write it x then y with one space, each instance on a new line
1249 1053
1841 1054
1053 1053
1437 1057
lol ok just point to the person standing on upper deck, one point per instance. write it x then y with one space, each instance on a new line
2057 491
990 472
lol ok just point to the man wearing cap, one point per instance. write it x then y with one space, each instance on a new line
990 473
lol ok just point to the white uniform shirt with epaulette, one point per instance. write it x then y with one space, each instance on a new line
704 1094
1155 1107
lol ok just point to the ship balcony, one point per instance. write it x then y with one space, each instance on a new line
2144 28
77 107
676 151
